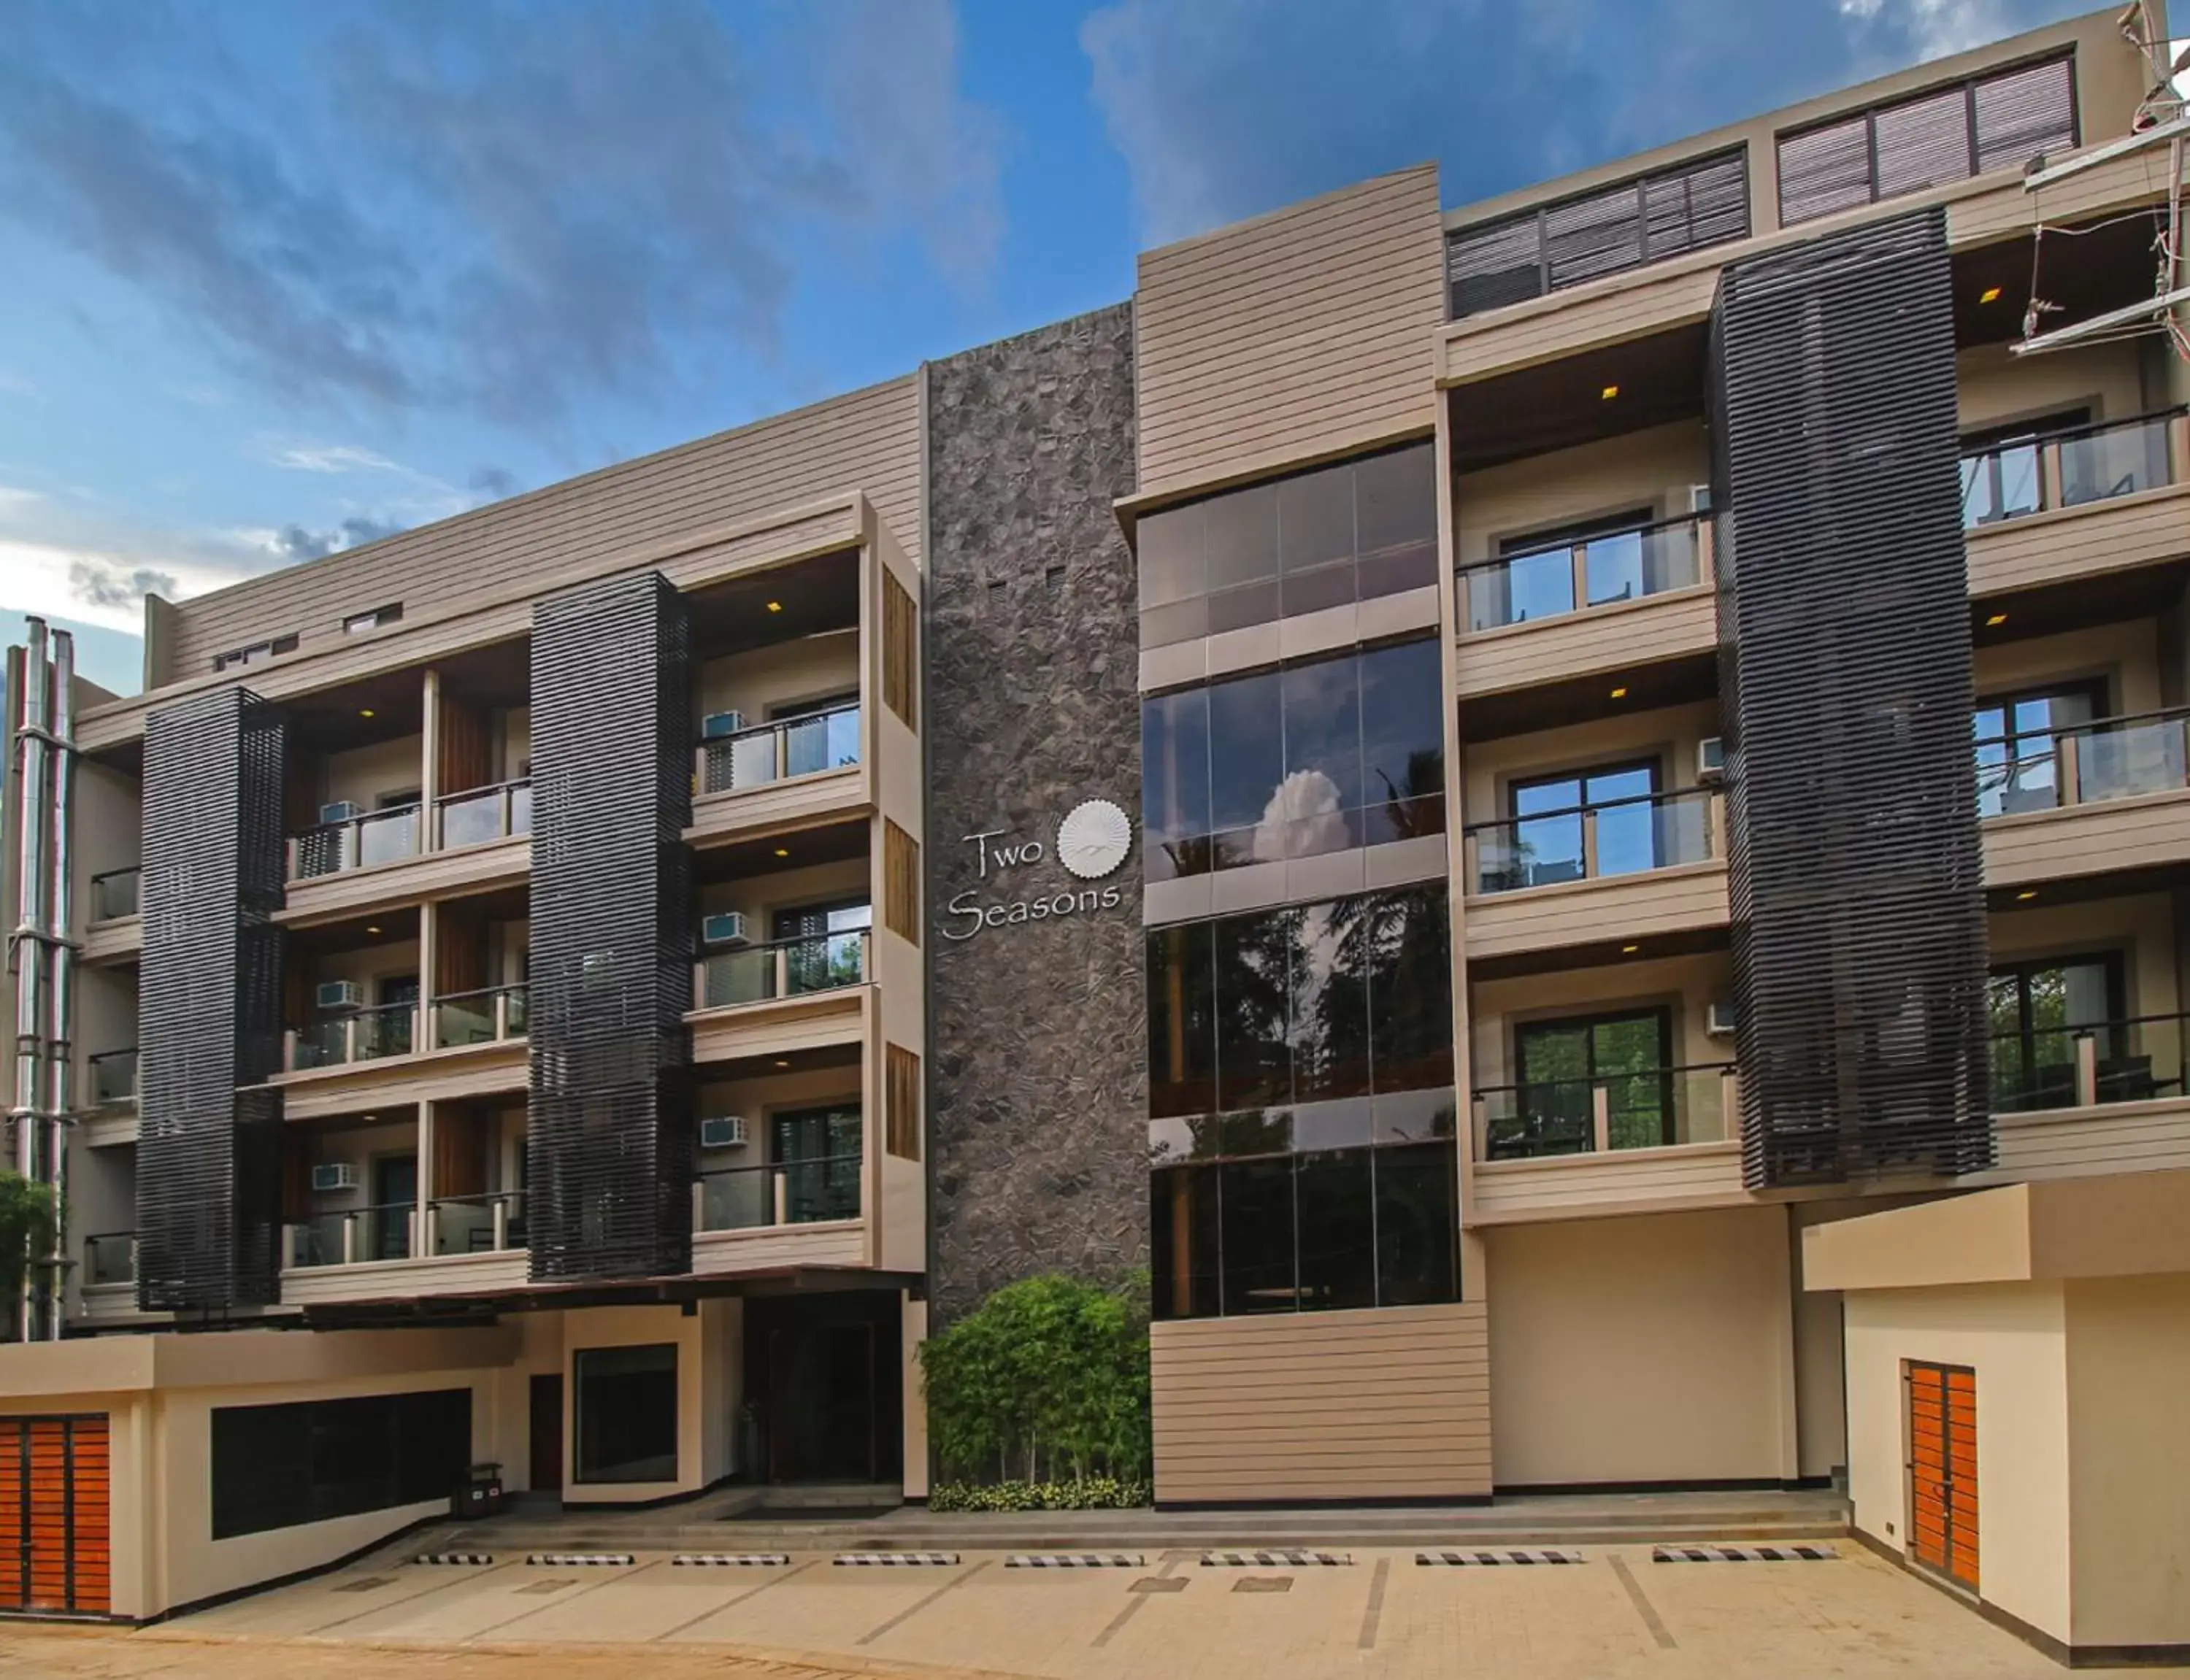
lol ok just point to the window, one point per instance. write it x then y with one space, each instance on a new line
627 1414
2000 122
1548 823
1328 538
1558 1066
1311 758
256 653
901 1132
819 1151
277 1467
1649 219
2016 740
827 944
2038 1011
357 623
1318 1231
1999 468
1337 1002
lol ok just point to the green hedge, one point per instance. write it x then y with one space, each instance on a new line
1043 1386
26 1228
1097 1493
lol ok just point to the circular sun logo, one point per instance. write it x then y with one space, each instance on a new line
1093 839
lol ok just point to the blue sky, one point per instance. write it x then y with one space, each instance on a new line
283 277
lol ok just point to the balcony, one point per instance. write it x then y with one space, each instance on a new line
2064 505
793 771
1623 868
115 931
787 994
2107 1096
362 842
1608 603
114 1077
363 1035
1649 1139
456 1245
482 816
775 1213
2099 798
107 1285
478 840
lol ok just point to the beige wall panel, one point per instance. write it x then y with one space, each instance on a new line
1668 734
1624 1181
2004 208
402 1280
1680 899
798 801
835 1242
1654 469
1608 641
2138 1137
1686 985
1999 388
2014 1338
2144 529
465 1070
791 673
1383 1403
2129 1472
1587 318
2137 930
2087 840
782 1025
1640 1349
431 874
699 1367
867 441
1300 334
2125 655
364 774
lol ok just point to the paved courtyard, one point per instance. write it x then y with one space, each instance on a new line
1617 1612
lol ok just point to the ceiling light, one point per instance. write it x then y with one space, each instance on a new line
1629 950
372 930
1619 693
1989 295
783 852
2026 895
783 1064
1995 620
1608 393
775 605
365 711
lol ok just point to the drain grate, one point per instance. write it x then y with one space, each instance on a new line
1264 1583
541 1588
1159 1583
364 1584
1742 1554
1487 1559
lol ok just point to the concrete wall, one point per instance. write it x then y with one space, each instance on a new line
1644 1349
1654 469
363 774
1684 985
1036 1058
761 895
812 668
757 1099
1667 734
2000 388
708 1378
2125 656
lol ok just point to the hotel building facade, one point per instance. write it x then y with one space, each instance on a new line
1570 818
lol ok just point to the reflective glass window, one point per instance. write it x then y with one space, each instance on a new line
1254 967
1336 1215
1181 1019
1258 1259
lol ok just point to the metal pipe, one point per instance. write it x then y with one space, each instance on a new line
28 941
60 991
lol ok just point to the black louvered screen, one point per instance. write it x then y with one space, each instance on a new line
1639 221
611 956
209 1005
1999 122
1855 869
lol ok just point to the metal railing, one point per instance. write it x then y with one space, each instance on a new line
356 843
1644 1108
353 1237
2136 1059
110 1259
784 968
1597 571
490 1223
2086 763
1618 837
114 894
2069 468
775 752
361 1035
777 1193
113 1076
478 815
482 1018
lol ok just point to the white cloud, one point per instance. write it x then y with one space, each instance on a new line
93 585
334 458
1939 28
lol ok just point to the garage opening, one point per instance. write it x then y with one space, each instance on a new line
53 1549
1942 1471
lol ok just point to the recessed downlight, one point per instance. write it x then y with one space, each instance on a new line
1995 620
1620 692
1989 295
371 928
775 605
783 852
1609 393
2026 895
365 711
1629 950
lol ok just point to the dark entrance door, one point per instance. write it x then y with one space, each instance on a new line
546 1432
825 1382
394 1197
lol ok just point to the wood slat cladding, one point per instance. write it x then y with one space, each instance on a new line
459 948
900 653
1943 1470
55 1550
1304 333
901 1103
1388 1403
900 882
867 441
1854 866
465 749
462 1139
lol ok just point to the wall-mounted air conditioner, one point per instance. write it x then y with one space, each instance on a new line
1719 1018
724 1131
1710 759
718 724
341 810
1699 498
330 1176
339 994
727 929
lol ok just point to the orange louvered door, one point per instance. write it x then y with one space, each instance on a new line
54 1558
1943 1464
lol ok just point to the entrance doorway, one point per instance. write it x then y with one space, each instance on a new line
824 1386
1942 1471
547 1434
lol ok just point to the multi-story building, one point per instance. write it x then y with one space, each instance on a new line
1571 817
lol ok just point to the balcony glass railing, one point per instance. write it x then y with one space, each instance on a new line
2066 468
2082 1066
1639 1108
492 1223
478 815
788 968
114 1076
110 1259
2085 764
354 1236
479 1017
1618 837
774 752
777 1193
114 894
363 1035
1597 571
376 837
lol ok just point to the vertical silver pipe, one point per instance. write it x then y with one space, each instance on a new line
60 973
28 941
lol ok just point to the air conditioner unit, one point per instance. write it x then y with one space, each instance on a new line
716 725
727 929
1710 759
724 1131
1719 1018
330 1176
341 810
339 994
1699 498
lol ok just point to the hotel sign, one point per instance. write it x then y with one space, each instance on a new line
1092 841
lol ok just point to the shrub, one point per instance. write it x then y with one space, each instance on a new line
1097 1493
1047 1381
26 1228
